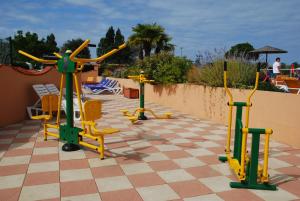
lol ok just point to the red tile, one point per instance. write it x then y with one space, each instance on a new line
7 136
107 171
121 195
190 188
291 171
216 150
148 179
189 145
202 172
238 194
91 154
291 159
44 158
163 165
41 178
48 143
210 160
52 199
13 169
18 152
177 154
74 164
11 194
292 187
24 140
73 188
115 145
4 147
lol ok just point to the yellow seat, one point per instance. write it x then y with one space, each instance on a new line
49 105
168 114
125 112
92 112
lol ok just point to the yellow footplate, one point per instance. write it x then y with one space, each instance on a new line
168 114
106 131
133 119
124 112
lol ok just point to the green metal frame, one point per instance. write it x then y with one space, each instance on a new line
252 166
142 102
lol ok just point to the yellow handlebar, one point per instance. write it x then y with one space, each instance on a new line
79 49
57 55
37 59
101 58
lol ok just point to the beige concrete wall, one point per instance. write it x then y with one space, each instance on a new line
278 111
17 93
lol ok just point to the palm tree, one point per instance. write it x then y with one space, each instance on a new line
149 36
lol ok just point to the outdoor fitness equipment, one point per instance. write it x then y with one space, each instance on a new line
139 113
69 66
249 172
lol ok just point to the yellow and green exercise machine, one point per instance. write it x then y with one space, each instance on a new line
69 66
247 168
139 113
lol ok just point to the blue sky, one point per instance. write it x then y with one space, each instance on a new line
195 25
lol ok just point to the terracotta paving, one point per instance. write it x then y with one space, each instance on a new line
173 159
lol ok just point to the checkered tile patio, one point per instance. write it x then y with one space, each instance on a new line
156 160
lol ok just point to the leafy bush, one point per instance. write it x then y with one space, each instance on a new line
241 74
166 68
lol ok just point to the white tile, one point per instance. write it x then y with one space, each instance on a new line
218 132
9 132
86 197
40 192
96 162
122 151
140 144
188 162
157 193
167 147
27 135
64 155
154 157
187 134
6 141
26 145
45 150
11 181
200 152
222 168
210 197
214 137
279 195
180 140
175 175
217 184
113 184
75 175
163 131
207 144
275 163
43 167
136 168
16 160
195 129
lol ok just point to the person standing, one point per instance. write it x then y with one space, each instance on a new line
276 67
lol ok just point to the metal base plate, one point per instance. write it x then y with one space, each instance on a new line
253 186
70 147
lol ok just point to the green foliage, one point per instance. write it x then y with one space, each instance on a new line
241 50
147 37
267 86
240 74
164 68
73 45
111 41
31 44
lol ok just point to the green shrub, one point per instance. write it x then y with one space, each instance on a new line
241 74
164 68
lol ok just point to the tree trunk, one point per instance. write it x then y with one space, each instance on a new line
147 49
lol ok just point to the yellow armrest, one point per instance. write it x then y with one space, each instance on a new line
133 119
40 117
106 131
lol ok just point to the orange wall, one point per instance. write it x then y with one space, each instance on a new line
17 92
279 111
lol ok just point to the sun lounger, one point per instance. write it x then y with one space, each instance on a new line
293 86
47 89
105 85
